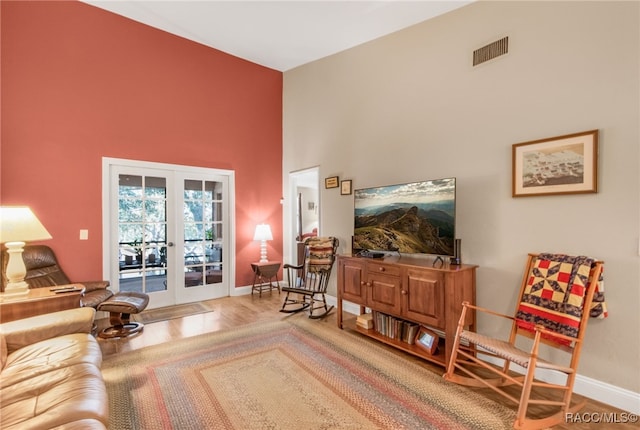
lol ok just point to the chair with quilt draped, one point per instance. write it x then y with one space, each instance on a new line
307 283
557 296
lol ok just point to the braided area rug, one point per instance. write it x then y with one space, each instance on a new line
290 374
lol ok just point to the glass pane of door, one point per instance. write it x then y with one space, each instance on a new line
203 232
142 233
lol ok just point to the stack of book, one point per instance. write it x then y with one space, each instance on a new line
365 321
395 328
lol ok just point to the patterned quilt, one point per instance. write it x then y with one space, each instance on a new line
321 253
555 293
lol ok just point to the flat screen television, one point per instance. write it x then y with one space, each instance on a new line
412 218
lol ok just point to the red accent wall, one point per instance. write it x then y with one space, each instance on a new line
79 83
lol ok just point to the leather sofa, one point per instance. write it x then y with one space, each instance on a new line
50 373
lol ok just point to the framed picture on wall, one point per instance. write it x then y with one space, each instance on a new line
345 187
557 165
331 182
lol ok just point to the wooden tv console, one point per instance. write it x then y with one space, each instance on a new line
419 290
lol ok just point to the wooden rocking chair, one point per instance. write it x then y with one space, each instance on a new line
553 309
308 282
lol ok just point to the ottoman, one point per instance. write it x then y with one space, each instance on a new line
120 308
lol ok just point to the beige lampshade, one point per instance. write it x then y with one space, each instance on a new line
263 232
19 224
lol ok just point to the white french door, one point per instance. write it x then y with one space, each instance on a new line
202 237
169 231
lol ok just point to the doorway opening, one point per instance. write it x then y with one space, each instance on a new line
168 230
305 210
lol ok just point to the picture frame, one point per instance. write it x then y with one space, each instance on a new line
345 187
557 165
427 340
331 182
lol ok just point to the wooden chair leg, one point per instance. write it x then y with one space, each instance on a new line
524 398
311 302
528 384
284 302
451 368
324 305
301 304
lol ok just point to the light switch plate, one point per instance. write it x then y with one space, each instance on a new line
84 234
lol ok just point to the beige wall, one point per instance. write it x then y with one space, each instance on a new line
410 106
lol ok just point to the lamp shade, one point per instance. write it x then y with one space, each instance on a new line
263 232
19 224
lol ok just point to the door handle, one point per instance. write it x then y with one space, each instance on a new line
170 244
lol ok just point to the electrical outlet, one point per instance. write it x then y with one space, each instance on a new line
84 234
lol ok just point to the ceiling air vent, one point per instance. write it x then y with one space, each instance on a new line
491 51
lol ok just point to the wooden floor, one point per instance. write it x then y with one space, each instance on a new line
234 311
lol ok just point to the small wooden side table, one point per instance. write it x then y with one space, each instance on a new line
263 275
40 301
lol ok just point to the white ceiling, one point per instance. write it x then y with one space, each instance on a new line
280 35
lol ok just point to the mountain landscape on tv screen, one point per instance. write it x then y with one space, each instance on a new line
407 228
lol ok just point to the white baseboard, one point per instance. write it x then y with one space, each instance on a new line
621 398
617 397
352 308
240 291
612 395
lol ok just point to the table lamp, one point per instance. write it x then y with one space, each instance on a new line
263 233
17 226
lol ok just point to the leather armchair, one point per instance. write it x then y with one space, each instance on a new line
43 270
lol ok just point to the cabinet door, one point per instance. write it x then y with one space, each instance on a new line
423 297
351 281
383 293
